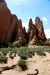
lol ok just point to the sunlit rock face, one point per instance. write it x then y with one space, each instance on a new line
11 28
36 32
21 32
32 31
39 26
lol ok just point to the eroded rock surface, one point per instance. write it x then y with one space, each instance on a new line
11 28
39 26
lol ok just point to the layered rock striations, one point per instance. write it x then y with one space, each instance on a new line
11 28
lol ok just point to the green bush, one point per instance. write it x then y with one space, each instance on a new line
23 65
41 53
3 59
15 44
23 43
25 53
11 55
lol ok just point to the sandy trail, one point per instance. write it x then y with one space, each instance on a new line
42 63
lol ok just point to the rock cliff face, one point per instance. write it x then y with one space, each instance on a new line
20 31
36 32
32 31
5 19
39 26
11 27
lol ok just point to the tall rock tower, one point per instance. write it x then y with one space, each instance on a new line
8 23
10 26
39 26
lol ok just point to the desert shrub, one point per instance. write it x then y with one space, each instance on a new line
18 45
23 42
11 55
23 65
4 52
9 44
15 44
41 53
3 59
31 52
23 53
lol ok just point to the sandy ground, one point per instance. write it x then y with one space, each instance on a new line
42 63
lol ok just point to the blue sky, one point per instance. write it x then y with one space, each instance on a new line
25 9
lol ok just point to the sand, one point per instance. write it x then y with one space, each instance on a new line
42 63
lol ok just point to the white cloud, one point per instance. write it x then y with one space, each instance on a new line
45 21
47 32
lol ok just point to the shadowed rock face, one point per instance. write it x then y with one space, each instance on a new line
5 19
11 27
8 23
2 0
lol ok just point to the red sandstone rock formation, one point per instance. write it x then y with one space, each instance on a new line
20 31
36 32
11 28
32 31
39 26
5 20
11 34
